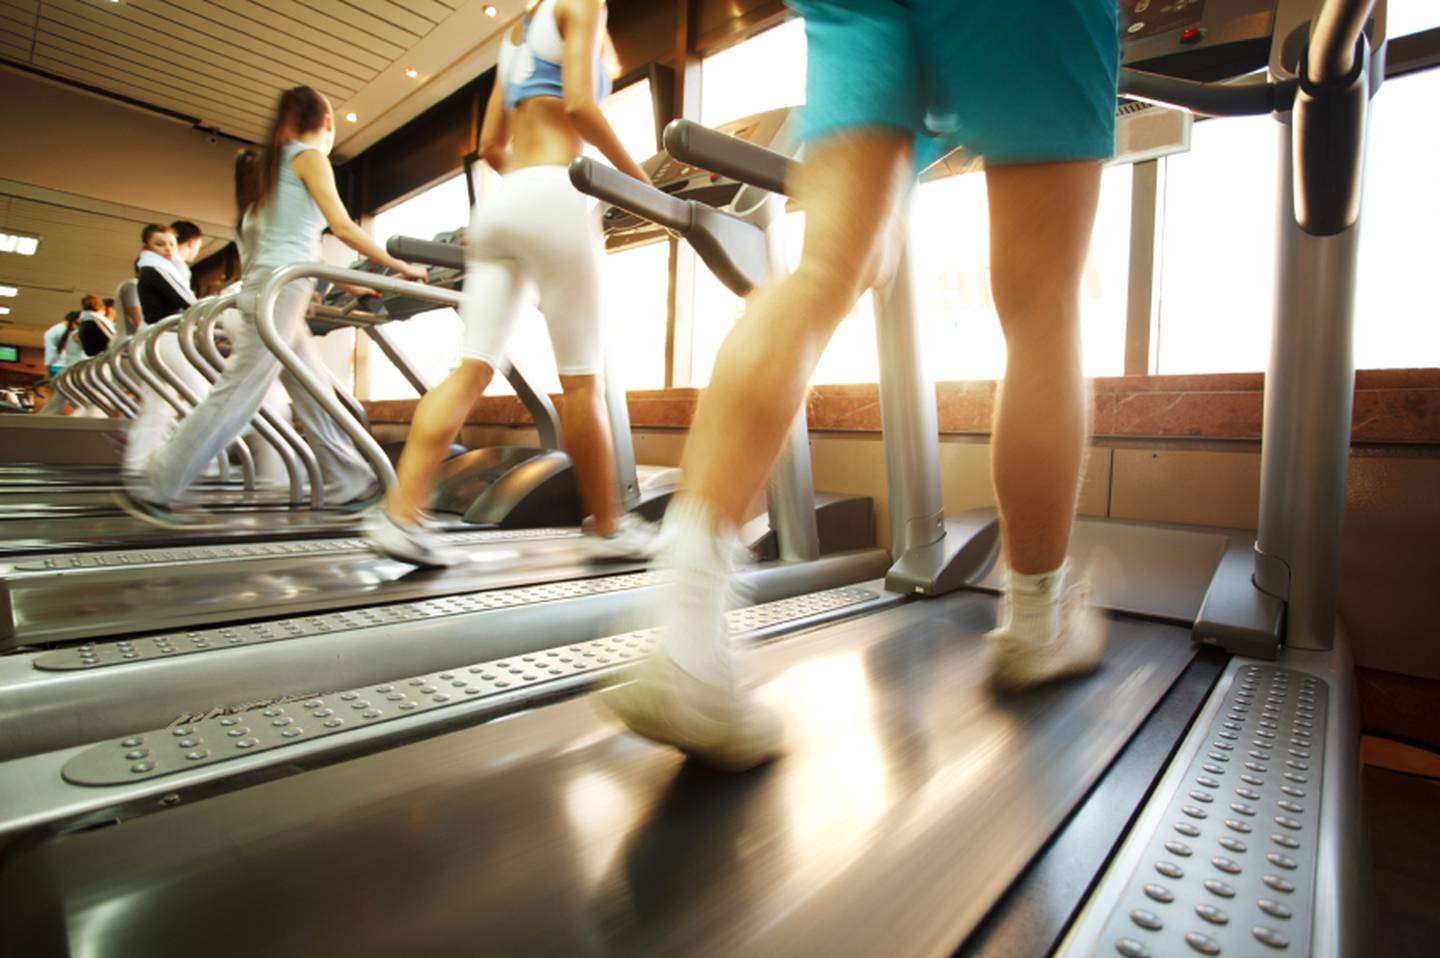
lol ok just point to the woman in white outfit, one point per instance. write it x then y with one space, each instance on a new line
297 199
534 231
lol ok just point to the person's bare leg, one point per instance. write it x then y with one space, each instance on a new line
688 694
438 420
852 188
587 441
1040 221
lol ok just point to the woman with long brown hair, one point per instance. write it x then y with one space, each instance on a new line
295 200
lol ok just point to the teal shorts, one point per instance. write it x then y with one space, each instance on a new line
1011 82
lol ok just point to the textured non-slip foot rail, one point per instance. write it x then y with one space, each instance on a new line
93 655
1231 868
161 752
81 561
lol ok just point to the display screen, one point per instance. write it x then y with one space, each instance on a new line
9 354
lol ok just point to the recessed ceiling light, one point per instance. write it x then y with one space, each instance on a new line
489 10
4 310
350 117
411 72
9 291
24 245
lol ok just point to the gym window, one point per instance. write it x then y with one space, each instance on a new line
1217 260
950 240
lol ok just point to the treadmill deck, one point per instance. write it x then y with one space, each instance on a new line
910 799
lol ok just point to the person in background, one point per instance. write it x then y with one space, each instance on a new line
1031 89
57 337
188 240
535 231
59 353
93 327
296 198
163 278
127 294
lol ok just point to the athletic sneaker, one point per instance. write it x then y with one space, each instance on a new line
1075 646
405 542
721 726
633 538
137 505
686 693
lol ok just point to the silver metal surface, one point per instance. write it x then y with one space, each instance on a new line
36 794
270 579
1253 791
93 655
911 432
263 309
1309 395
909 797
167 751
45 709
1329 838
74 562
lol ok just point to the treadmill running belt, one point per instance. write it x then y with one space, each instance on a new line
911 798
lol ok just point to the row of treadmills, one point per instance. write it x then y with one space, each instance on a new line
264 739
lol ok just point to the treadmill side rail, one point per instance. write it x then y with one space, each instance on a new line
1236 615
1271 852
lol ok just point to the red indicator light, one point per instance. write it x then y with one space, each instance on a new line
1191 35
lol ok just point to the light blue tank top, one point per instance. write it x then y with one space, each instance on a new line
532 68
290 222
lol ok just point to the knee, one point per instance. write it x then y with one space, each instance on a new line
581 389
473 375
1034 302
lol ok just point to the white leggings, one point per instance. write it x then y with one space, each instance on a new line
235 399
535 231
157 419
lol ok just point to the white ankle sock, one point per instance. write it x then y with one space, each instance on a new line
1032 611
699 557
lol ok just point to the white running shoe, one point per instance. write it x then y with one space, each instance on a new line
1018 662
723 727
404 542
633 538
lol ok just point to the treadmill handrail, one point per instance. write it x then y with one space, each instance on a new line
626 192
735 249
1334 37
197 327
689 142
415 250
309 379
1251 98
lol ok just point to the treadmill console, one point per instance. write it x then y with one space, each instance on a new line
623 228
1196 39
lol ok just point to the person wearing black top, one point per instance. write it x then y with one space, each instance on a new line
94 329
163 287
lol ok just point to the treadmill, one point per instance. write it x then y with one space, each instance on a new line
1197 795
61 598
150 641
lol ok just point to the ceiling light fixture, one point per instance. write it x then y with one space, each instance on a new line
24 245
9 291
411 72
4 310
350 117
489 10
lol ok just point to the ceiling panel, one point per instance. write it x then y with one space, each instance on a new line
223 63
